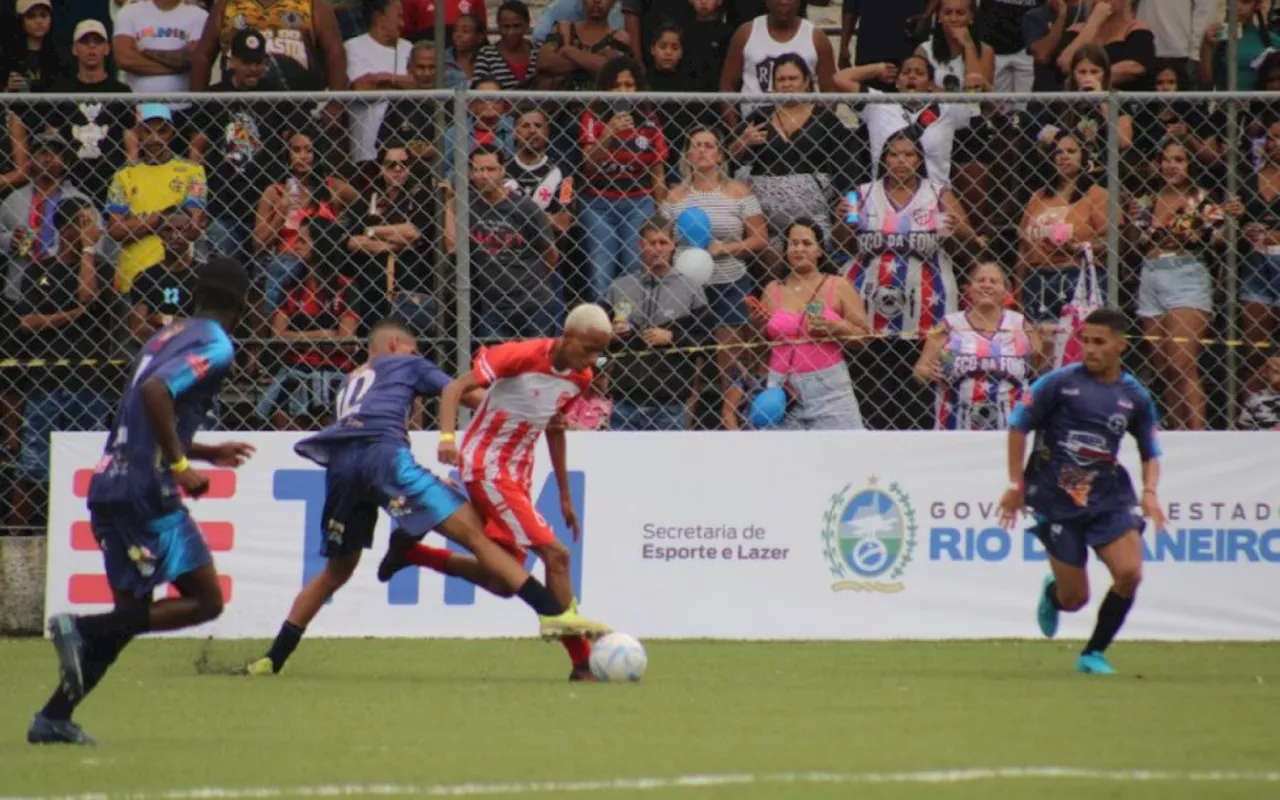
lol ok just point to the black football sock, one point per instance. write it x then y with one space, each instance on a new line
1110 617
125 622
284 645
539 598
98 658
1051 594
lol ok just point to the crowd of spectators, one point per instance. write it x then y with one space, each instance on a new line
881 214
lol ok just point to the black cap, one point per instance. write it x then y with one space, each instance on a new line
248 45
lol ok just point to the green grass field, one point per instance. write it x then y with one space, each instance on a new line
496 718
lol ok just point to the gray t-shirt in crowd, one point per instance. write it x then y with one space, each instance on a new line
509 242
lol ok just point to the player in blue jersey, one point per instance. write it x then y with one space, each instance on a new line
135 507
368 465
1080 495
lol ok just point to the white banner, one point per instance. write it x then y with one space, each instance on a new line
741 536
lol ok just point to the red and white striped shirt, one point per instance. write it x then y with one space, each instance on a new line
525 393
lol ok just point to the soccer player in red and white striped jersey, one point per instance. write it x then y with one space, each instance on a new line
529 384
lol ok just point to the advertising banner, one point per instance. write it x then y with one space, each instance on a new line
739 536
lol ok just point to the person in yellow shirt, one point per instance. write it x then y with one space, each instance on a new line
160 190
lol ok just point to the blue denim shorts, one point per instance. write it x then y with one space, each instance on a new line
727 301
1169 282
1260 277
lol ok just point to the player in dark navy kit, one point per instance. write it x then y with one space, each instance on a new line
1074 485
135 506
368 465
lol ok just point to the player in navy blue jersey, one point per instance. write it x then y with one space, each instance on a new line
1080 495
135 506
368 465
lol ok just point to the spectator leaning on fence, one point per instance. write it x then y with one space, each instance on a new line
320 305
307 189
1069 212
28 233
512 255
102 132
1173 229
160 188
980 360
807 314
909 230
535 175
796 156
392 243
739 233
654 313
61 314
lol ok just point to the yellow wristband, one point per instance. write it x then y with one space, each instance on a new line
448 437
181 465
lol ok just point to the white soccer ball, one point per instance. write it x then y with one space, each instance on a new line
617 658
695 264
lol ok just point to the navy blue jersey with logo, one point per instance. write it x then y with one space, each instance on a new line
374 404
1079 424
191 357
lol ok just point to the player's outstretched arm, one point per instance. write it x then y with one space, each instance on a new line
223 454
450 398
158 403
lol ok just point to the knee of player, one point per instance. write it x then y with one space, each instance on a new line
211 604
1073 598
1127 579
337 571
555 556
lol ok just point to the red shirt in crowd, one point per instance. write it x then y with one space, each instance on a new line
632 154
420 15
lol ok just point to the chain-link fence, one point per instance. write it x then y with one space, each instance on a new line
480 217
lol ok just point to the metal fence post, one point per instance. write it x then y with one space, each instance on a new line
1233 229
462 235
1113 200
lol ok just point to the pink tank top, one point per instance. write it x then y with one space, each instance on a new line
787 326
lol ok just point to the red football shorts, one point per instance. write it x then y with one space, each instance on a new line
509 516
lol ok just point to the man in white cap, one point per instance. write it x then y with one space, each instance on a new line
100 132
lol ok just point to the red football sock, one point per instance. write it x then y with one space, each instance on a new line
435 558
578 648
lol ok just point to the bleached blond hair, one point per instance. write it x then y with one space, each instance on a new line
588 318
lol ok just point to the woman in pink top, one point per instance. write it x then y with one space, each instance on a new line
808 314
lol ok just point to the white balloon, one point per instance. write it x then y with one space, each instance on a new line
695 264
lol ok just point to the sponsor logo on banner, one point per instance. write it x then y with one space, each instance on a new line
869 537
92 588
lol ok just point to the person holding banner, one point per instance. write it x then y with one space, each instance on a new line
1080 495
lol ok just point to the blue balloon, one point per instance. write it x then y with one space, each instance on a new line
769 407
693 228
